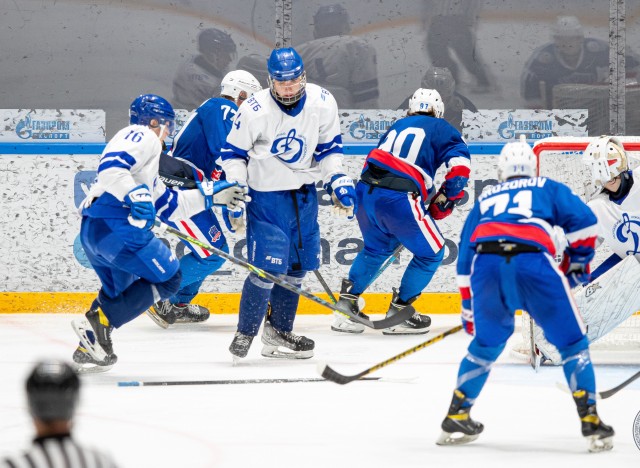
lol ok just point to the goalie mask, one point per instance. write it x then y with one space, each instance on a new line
426 101
517 160
239 84
607 159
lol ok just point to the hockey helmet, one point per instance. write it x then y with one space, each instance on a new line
607 159
427 101
148 107
331 20
440 79
286 65
517 159
53 390
238 81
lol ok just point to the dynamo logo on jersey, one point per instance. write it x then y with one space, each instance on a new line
531 129
283 146
629 230
30 129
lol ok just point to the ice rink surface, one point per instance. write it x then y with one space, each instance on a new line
386 423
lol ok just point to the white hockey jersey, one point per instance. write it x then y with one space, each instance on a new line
619 224
272 150
130 159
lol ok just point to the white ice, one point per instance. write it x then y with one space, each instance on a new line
528 421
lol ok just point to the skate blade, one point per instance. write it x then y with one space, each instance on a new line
157 319
597 444
447 438
90 368
353 331
280 352
236 360
94 349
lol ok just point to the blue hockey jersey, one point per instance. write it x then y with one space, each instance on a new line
203 135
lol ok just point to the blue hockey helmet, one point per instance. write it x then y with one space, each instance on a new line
286 65
148 107
52 391
331 20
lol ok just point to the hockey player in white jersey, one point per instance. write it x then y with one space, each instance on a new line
343 64
283 140
135 269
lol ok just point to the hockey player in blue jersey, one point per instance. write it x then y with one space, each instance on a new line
283 140
199 144
134 267
395 184
506 263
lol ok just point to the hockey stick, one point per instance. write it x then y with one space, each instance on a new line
386 322
330 374
606 393
387 262
137 383
325 286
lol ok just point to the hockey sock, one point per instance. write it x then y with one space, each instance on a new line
418 275
364 268
137 298
578 369
284 303
253 304
194 271
474 370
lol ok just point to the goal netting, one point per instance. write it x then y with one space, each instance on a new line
560 158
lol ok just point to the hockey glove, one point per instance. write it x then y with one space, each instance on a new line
575 265
442 206
143 211
234 220
343 195
223 193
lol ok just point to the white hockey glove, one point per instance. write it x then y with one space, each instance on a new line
230 194
143 211
234 220
343 195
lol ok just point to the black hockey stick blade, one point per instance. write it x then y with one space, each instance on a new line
387 322
614 390
138 383
330 374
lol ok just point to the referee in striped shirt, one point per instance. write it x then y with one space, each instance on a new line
52 392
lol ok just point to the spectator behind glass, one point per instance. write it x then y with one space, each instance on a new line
569 59
343 64
199 78
255 64
441 80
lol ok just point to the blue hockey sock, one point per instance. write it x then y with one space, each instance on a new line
578 369
253 304
137 298
284 303
418 275
194 271
474 370
365 266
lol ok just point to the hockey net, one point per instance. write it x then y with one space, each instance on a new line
560 158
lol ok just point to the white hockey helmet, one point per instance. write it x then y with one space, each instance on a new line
517 159
606 158
426 101
237 81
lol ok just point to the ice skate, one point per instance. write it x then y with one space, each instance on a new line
348 302
599 436
94 333
287 345
162 313
190 313
84 363
418 324
458 428
239 347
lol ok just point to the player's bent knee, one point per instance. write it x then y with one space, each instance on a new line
573 349
488 353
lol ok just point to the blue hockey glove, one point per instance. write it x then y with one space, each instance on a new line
234 220
442 206
143 211
575 265
343 195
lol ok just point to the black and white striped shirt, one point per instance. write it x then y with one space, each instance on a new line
58 452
